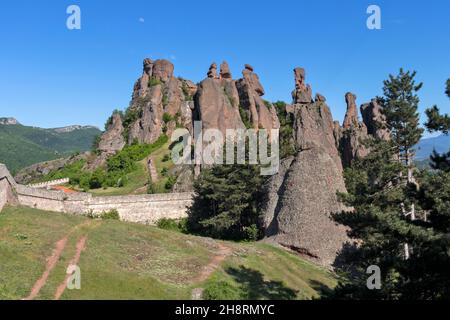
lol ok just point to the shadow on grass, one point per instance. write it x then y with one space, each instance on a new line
256 288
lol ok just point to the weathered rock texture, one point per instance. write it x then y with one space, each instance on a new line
302 92
157 93
217 102
352 134
374 120
303 196
111 141
261 114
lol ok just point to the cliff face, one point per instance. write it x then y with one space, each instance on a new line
305 190
261 113
217 101
160 102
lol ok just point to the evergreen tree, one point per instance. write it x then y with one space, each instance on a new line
379 195
226 204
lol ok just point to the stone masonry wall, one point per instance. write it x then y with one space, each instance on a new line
147 209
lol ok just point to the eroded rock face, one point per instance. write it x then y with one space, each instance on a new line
352 134
112 140
217 103
261 114
302 92
299 214
157 93
351 116
374 120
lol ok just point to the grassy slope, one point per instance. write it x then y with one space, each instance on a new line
131 261
138 179
21 146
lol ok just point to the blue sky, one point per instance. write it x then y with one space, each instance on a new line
51 76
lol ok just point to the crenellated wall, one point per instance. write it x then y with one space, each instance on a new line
147 209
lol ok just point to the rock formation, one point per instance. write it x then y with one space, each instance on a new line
351 116
261 114
302 92
8 121
352 134
302 197
217 102
374 120
157 93
112 140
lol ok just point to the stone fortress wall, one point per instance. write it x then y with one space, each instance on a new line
146 209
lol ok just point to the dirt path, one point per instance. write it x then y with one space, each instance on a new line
81 245
208 270
51 263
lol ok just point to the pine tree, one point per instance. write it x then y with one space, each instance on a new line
226 204
377 191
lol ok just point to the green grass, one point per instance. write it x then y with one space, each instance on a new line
21 146
136 183
132 261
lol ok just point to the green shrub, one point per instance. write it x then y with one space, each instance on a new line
165 100
164 172
112 214
171 180
245 118
167 117
252 232
166 158
221 290
153 81
172 224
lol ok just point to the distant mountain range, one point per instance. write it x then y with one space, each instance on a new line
426 146
21 146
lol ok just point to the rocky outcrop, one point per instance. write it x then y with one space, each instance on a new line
155 94
304 193
8 121
261 114
302 93
217 102
351 116
374 120
112 140
38 170
352 134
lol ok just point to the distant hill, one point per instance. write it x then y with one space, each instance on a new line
21 146
426 146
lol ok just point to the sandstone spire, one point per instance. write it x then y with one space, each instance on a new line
351 116
302 92
212 72
225 71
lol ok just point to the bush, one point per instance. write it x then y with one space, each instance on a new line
171 180
167 117
153 82
166 158
172 224
221 290
112 214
